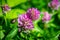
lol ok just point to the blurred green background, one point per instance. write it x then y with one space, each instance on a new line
9 30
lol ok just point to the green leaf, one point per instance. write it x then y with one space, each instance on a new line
12 33
59 16
0 27
53 25
3 2
22 35
1 35
13 25
9 39
24 6
1 14
37 28
14 13
13 3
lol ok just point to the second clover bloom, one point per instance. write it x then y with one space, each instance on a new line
46 17
25 22
33 13
6 8
54 4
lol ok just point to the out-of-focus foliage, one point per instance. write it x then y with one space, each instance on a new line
11 14
41 31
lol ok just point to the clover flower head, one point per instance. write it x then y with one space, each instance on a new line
6 8
33 13
54 4
46 17
25 22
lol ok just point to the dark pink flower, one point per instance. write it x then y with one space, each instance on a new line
54 4
33 13
25 22
6 8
